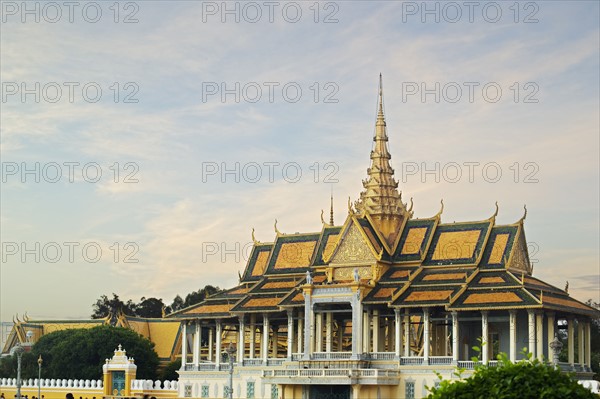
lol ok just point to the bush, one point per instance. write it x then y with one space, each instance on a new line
526 379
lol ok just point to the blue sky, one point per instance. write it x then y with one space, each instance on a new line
545 125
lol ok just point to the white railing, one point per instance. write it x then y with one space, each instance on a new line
331 355
440 360
206 366
382 355
411 361
86 384
149 385
297 356
52 383
468 364
325 373
252 362
275 362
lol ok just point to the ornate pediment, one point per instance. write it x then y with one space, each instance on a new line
353 248
519 260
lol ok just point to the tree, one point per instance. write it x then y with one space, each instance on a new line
526 379
176 305
200 295
170 371
80 353
150 307
104 306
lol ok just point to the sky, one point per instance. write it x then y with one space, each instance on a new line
142 141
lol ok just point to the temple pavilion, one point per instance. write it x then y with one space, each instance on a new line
371 308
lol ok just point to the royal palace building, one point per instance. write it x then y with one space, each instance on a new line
371 308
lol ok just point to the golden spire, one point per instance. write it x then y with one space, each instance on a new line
380 198
331 212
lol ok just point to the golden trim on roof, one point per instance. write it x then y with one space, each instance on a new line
205 309
491 280
498 248
294 255
332 239
278 284
385 292
261 302
456 245
417 296
261 263
414 240
492 297
445 276
400 274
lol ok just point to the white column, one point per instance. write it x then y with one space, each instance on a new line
300 337
218 345
275 341
531 333
197 333
539 328
252 335
290 333
357 329
551 323
389 338
184 346
210 344
309 329
426 339
398 332
571 340
319 332
588 344
241 341
513 335
485 337
328 331
366 332
580 337
407 333
308 326
376 337
455 337
265 342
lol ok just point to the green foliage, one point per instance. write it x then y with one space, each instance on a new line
104 306
526 379
148 307
170 371
80 353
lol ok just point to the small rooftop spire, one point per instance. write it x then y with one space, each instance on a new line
380 198
331 211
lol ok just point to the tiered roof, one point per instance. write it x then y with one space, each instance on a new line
400 261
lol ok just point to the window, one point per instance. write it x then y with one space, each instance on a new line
274 391
204 391
250 390
187 391
225 391
409 388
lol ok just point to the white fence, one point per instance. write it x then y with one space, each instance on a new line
143 385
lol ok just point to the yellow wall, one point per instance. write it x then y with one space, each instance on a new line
60 393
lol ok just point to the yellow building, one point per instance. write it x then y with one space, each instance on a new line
371 308
164 333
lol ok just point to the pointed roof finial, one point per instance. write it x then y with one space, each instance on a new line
380 95
331 211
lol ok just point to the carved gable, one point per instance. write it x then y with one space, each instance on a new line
353 248
520 258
